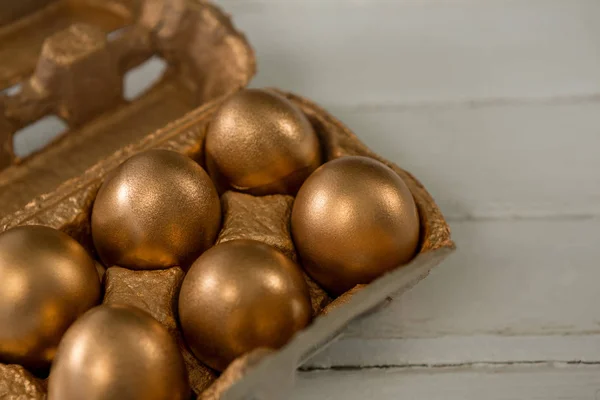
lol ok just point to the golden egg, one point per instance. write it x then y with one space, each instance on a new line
47 280
353 220
259 142
118 352
239 296
158 209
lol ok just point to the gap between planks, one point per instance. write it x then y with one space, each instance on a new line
454 367
461 104
445 352
552 381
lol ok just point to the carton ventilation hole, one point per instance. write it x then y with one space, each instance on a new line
117 33
37 135
141 78
11 90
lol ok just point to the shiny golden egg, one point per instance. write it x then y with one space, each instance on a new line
118 352
352 220
158 209
239 296
47 280
260 143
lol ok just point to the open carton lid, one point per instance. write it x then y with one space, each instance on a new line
69 61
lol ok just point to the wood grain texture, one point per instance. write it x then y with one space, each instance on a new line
507 278
455 350
509 382
498 161
397 52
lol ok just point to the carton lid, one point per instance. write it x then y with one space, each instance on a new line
67 66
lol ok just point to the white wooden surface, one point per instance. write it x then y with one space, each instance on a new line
495 106
480 382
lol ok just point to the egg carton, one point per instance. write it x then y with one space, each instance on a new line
67 205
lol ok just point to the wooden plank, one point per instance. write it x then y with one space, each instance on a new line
496 161
383 52
507 278
516 382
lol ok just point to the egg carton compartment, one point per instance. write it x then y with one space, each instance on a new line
263 373
74 77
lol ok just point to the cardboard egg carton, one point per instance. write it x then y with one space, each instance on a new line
67 205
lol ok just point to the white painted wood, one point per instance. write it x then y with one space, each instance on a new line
507 278
543 382
397 52
499 161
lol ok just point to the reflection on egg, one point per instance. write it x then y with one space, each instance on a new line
239 296
118 352
158 209
47 280
260 143
354 219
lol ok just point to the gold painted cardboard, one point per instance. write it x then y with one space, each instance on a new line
70 58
